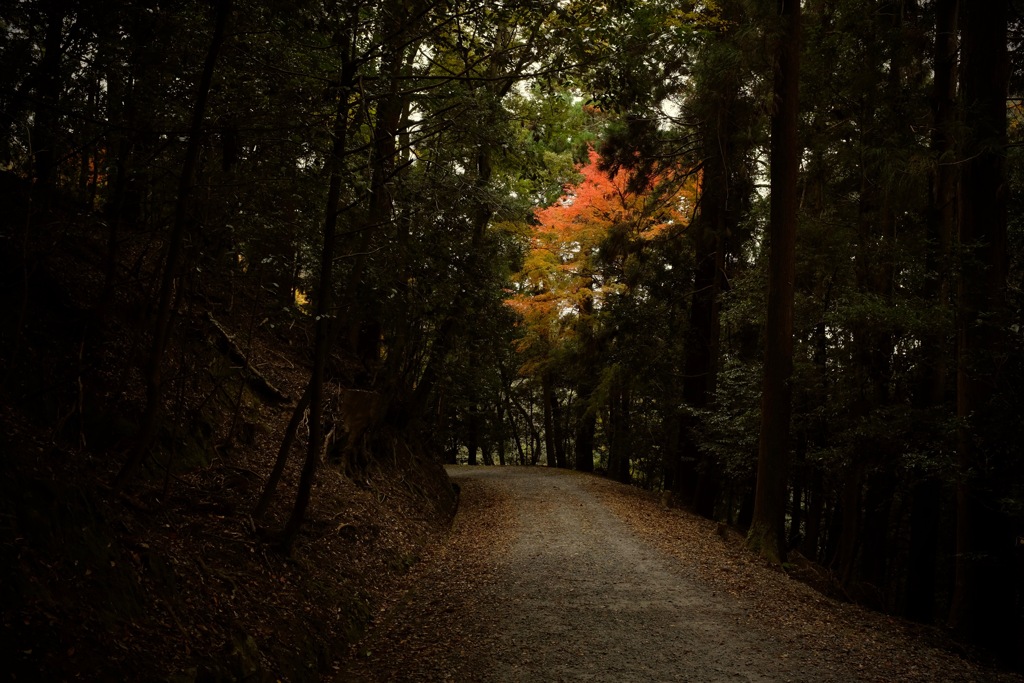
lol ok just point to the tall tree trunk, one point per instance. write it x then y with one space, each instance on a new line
703 340
472 436
402 325
502 440
670 427
848 540
923 553
719 208
520 452
931 390
559 429
169 283
362 315
815 511
585 428
586 421
619 426
705 327
767 530
982 609
324 305
799 478
527 425
122 109
45 117
879 517
449 327
548 398
284 450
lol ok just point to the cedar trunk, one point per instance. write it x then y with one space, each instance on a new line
982 607
931 390
767 532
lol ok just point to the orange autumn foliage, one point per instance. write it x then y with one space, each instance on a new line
578 238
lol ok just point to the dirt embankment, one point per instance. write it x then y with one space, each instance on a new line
181 587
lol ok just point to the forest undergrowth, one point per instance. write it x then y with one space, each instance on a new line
171 578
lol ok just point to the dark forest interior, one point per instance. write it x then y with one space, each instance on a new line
266 267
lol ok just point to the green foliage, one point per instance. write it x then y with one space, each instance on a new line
729 430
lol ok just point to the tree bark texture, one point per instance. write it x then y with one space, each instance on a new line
767 532
982 606
325 312
937 352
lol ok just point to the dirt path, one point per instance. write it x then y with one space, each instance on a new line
555 576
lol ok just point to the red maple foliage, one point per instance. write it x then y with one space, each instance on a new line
577 239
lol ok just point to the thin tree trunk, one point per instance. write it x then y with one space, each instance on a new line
548 395
515 431
284 450
44 120
559 429
923 553
324 308
169 282
472 435
815 511
849 536
619 418
500 431
361 316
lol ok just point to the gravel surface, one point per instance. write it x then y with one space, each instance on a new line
550 575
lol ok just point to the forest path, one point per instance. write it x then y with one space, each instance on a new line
550 575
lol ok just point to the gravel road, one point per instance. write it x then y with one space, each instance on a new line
543 579
586 599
